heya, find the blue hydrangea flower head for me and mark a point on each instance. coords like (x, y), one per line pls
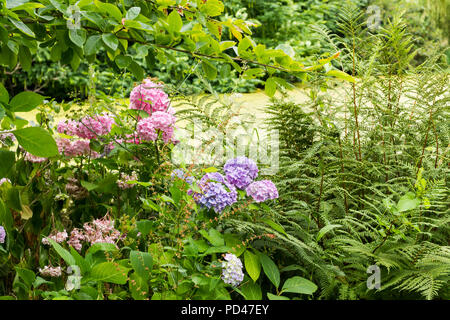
(240, 171)
(216, 192)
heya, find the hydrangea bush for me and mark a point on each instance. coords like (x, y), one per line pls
(110, 200)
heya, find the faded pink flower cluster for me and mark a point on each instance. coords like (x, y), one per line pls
(149, 97)
(124, 178)
(58, 237)
(159, 121)
(88, 127)
(98, 231)
(50, 271)
(32, 158)
(4, 180)
(75, 148)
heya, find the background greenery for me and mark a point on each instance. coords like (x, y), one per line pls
(287, 24)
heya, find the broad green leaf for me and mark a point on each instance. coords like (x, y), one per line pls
(252, 265)
(102, 246)
(340, 75)
(299, 285)
(209, 69)
(93, 45)
(123, 61)
(144, 226)
(63, 253)
(274, 225)
(142, 263)
(22, 27)
(138, 287)
(37, 141)
(4, 96)
(132, 13)
(25, 101)
(175, 22)
(110, 272)
(275, 297)
(251, 291)
(25, 58)
(89, 185)
(213, 8)
(7, 160)
(137, 70)
(110, 40)
(26, 275)
(408, 202)
(77, 36)
(109, 9)
(270, 87)
(270, 269)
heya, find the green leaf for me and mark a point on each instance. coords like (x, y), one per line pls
(137, 286)
(340, 75)
(26, 275)
(25, 101)
(144, 226)
(252, 265)
(142, 263)
(213, 8)
(110, 40)
(325, 229)
(4, 96)
(7, 160)
(274, 225)
(89, 185)
(270, 87)
(37, 141)
(270, 269)
(22, 27)
(63, 253)
(408, 202)
(25, 58)
(102, 246)
(275, 297)
(80, 262)
(299, 285)
(123, 61)
(93, 45)
(77, 36)
(175, 22)
(251, 291)
(110, 272)
(132, 13)
(209, 69)
(109, 9)
(137, 70)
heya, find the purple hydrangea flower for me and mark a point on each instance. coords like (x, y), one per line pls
(2, 234)
(262, 190)
(232, 270)
(179, 173)
(240, 171)
(216, 192)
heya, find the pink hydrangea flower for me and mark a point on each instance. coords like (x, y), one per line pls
(149, 97)
(50, 271)
(69, 127)
(58, 237)
(75, 148)
(124, 178)
(92, 127)
(159, 121)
